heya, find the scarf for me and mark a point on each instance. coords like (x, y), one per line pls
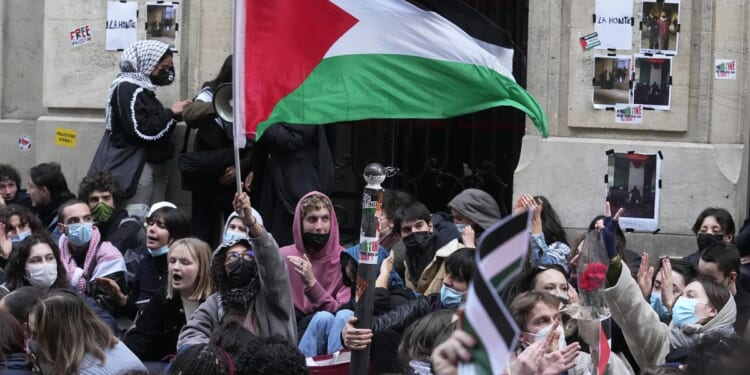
(72, 267)
(722, 323)
(240, 298)
(136, 64)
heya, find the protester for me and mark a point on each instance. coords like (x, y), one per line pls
(10, 188)
(86, 256)
(136, 143)
(204, 358)
(476, 209)
(652, 283)
(211, 198)
(293, 160)
(105, 198)
(549, 243)
(19, 304)
(13, 357)
(148, 266)
(713, 225)
(428, 240)
(48, 190)
(234, 227)
(16, 223)
(421, 338)
(317, 292)
(159, 322)
(37, 263)
(78, 344)
(251, 288)
(721, 262)
(393, 202)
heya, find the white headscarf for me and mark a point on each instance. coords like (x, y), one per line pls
(136, 64)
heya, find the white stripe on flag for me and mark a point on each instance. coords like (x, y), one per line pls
(496, 348)
(505, 255)
(238, 75)
(412, 32)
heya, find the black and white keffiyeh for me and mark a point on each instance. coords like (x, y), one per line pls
(136, 64)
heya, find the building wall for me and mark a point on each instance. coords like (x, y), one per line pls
(703, 137)
(45, 84)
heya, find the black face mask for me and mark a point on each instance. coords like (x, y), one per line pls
(315, 241)
(240, 273)
(417, 241)
(705, 240)
(164, 77)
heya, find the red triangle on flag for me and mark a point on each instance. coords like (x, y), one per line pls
(284, 41)
(604, 351)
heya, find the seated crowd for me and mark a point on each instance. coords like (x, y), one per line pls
(88, 287)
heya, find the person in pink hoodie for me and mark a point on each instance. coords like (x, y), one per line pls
(315, 278)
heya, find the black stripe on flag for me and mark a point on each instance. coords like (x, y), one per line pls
(489, 299)
(469, 19)
(515, 225)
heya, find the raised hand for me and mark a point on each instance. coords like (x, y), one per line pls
(303, 267)
(445, 356)
(645, 276)
(667, 293)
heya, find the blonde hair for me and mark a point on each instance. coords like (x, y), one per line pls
(201, 254)
(66, 330)
(314, 202)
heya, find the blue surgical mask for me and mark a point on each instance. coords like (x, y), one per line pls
(160, 251)
(658, 306)
(450, 297)
(460, 228)
(231, 236)
(80, 234)
(15, 239)
(683, 312)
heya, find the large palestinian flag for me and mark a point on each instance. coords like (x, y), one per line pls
(324, 61)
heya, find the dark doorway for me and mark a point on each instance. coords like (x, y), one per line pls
(436, 159)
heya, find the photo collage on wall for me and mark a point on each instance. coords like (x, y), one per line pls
(628, 83)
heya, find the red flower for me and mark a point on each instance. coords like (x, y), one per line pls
(593, 277)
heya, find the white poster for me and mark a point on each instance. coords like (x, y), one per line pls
(725, 69)
(614, 23)
(628, 114)
(122, 21)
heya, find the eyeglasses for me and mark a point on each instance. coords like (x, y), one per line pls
(248, 255)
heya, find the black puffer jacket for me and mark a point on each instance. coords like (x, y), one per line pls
(406, 314)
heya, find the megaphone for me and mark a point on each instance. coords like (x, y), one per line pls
(223, 104)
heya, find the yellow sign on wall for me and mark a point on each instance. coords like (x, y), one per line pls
(65, 137)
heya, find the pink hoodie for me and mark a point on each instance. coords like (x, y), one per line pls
(329, 293)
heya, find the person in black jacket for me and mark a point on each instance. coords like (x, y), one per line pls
(104, 196)
(293, 160)
(10, 191)
(387, 329)
(138, 127)
(159, 322)
(48, 189)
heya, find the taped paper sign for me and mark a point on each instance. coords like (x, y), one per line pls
(628, 114)
(66, 137)
(725, 69)
(122, 23)
(614, 23)
(80, 36)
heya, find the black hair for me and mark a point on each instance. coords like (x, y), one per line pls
(718, 353)
(393, 201)
(460, 264)
(683, 267)
(50, 175)
(15, 270)
(551, 225)
(726, 256)
(413, 211)
(21, 301)
(722, 216)
(66, 204)
(421, 337)
(24, 214)
(224, 75)
(166, 54)
(101, 181)
(176, 222)
(11, 336)
(7, 172)
(206, 359)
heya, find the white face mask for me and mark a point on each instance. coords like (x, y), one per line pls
(41, 275)
(544, 332)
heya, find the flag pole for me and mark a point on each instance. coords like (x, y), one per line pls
(372, 199)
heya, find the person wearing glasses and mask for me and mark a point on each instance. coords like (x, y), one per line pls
(252, 289)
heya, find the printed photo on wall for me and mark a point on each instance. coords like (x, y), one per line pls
(660, 26)
(653, 81)
(633, 184)
(162, 23)
(611, 80)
